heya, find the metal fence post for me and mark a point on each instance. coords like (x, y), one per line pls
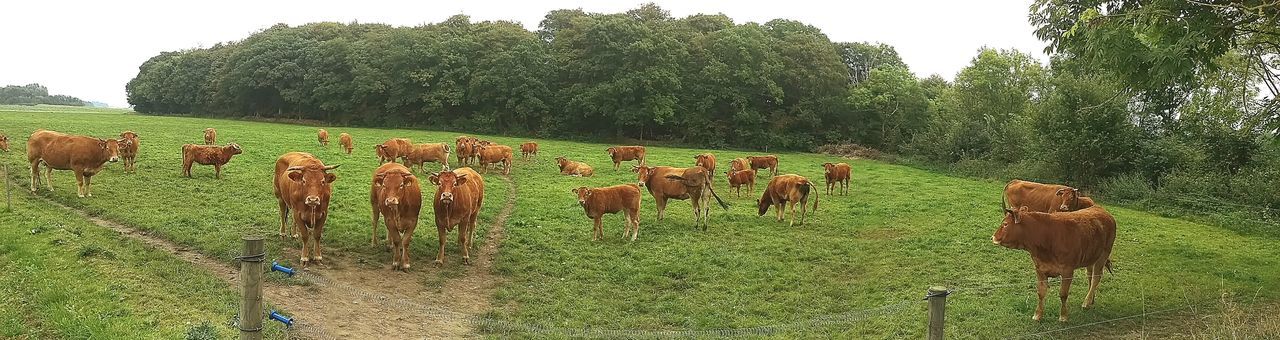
(251, 280)
(937, 311)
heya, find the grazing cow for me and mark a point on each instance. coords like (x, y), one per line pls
(697, 182)
(495, 154)
(621, 154)
(610, 200)
(217, 156)
(396, 195)
(1042, 197)
(459, 196)
(323, 137)
(4, 143)
(1059, 243)
(210, 136)
(764, 162)
(738, 164)
(785, 189)
(574, 168)
(464, 149)
(395, 148)
(83, 155)
(837, 173)
(430, 152)
(344, 139)
(706, 161)
(742, 177)
(303, 185)
(528, 149)
(128, 151)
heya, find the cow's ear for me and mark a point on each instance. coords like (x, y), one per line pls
(1059, 192)
(296, 176)
(460, 180)
(377, 180)
(574, 190)
(329, 178)
(1017, 217)
(102, 143)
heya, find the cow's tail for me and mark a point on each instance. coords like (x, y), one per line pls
(1108, 265)
(814, 189)
(717, 197)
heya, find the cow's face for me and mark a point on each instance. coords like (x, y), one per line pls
(1010, 228)
(611, 151)
(829, 167)
(583, 194)
(642, 173)
(129, 135)
(4, 143)
(702, 160)
(445, 182)
(391, 186)
(562, 162)
(315, 181)
(112, 147)
(234, 148)
(1068, 199)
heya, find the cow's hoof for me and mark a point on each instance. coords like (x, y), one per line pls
(395, 265)
(438, 263)
(405, 267)
(294, 236)
(304, 261)
(1035, 317)
(81, 195)
(317, 259)
(88, 195)
(466, 260)
(1085, 305)
(1062, 319)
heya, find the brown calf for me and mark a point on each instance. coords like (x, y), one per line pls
(395, 194)
(706, 161)
(574, 168)
(697, 183)
(83, 155)
(621, 154)
(459, 196)
(528, 149)
(495, 154)
(344, 139)
(128, 151)
(742, 177)
(1059, 243)
(303, 185)
(785, 189)
(764, 162)
(217, 156)
(464, 149)
(395, 148)
(837, 173)
(323, 137)
(210, 135)
(1041, 197)
(430, 152)
(609, 200)
(4, 143)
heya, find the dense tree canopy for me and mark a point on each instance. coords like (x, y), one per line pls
(32, 94)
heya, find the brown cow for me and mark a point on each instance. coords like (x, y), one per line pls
(610, 200)
(395, 194)
(83, 155)
(210, 136)
(738, 164)
(128, 151)
(528, 149)
(217, 156)
(706, 161)
(459, 196)
(574, 168)
(764, 162)
(4, 143)
(495, 154)
(697, 182)
(1059, 243)
(837, 173)
(430, 152)
(344, 139)
(1041, 197)
(785, 189)
(742, 177)
(621, 154)
(394, 148)
(303, 184)
(464, 149)
(323, 137)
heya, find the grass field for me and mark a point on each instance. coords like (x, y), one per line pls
(899, 231)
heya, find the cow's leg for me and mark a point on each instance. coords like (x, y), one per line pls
(404, 249)
(298, 227)
(48, 176)
(79, 183)
(217, 170)
(442, 232)
(597, 228)
(464, 234)
(792, 213)
(803, 210)
(284, 217)
(373, 230)
(1042, 287)
(393, 236)
(780, 208)
(316, 247)
(35, 175)
(635, 224)
(662, 205)
(88, 185)
(1062, 294)
(1095, 276)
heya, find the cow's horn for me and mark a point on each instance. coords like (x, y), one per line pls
(294, 168)
(331, 167)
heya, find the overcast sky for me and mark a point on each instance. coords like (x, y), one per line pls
(90, 49)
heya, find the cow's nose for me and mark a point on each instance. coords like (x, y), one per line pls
(392, 201)
(115, 159)
(313, 200)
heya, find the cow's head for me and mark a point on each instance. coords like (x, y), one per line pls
(611, 151)
(316, 182)
(4, 143)
(445, 182)
(130, 135)
(112, 147)
(830, 167)
(391, 186)
(233, 149)
(583, 194)
(702, 159)
(1011, 228)
(642, 173)
(562, 161)
(1067, 199)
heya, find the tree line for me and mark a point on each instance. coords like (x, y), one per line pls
(1134, 98)
(32, 94)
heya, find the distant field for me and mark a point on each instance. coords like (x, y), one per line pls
(899, 231)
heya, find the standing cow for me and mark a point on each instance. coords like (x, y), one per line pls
(459, 196)
(664, 182)
(323, 137)
(217, 156)
(344, 139)
(396, 195)
(303, 185)
(738, 164)
(837, 173)
(611, 200)
(4, 142)
(83, 155)
(430, 152)
(210, 136)
(764, 162)
(128, 151)
(739, 178)
(1042, 197)
(528, 150)
(495, 154)
(697, 182)
(463, 147)
(1060, 243)
(786, 189)
(706, 161)
(395, 148)
(621, 154)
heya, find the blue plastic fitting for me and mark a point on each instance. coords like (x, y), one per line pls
(287, 321)
(277, 267)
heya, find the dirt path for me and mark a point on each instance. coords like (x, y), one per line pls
(350, 301)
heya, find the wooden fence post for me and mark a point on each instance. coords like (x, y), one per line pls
(937, 311)
(251, 280)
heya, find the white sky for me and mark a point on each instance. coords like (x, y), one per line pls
(90, 49)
